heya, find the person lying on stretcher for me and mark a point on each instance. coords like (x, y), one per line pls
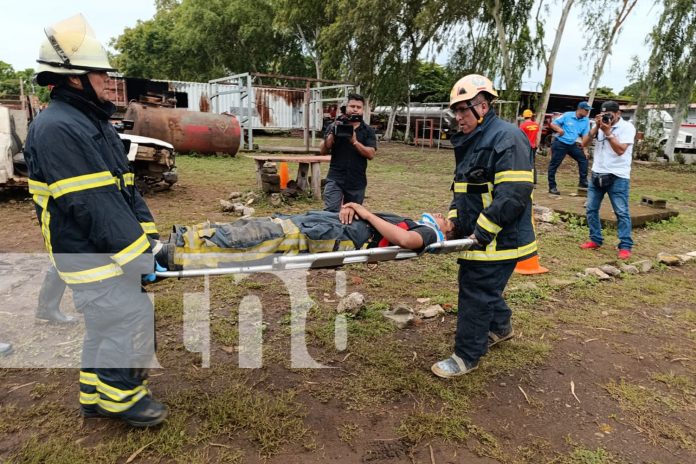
(258, 240)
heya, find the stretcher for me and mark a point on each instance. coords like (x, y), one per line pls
(325, 260)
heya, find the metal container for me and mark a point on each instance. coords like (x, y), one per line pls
(188, 131)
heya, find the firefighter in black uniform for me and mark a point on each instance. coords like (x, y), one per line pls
(98, 231)
(492, 204)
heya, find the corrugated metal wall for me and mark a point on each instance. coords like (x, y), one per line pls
(272, 108)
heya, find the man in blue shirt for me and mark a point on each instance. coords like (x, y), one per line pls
(569, 127)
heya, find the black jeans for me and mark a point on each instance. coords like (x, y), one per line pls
(559, 150)
(481, 306)
(335, 195)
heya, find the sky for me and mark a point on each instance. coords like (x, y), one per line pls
(23, 21)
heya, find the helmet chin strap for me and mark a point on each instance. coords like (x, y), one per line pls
(479, 118)
(87, 88)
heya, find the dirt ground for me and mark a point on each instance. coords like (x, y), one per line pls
(599, 372)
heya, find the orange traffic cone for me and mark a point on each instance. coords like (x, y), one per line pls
(530, 266)
(284, 175)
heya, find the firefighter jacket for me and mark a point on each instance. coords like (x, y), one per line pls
(493, 185)
(94, 222)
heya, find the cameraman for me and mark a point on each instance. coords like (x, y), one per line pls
(350, 142)
(611, 170)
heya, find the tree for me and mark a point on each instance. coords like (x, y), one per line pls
(431, 83)
(11, 82)
(378, 42)
(602, 31)
(205, 39)
(499, 43)
(519, 49)
(550, 61)
(306, 19)
(673, 41)
(605, 92)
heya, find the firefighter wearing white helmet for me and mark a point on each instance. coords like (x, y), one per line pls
(70, 48)
(98, 231)
(491, 204)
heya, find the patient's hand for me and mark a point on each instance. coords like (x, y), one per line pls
(350, 210)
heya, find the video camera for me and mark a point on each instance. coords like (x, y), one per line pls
(343, 127)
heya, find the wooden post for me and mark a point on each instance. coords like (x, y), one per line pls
(259, 165)
(302, 173)
(316, 180)
(307, 97)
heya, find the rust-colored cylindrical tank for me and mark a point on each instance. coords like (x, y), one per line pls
(188, 131)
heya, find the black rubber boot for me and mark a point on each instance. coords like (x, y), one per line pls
(89, 411)
(54, 315)
(145, 413)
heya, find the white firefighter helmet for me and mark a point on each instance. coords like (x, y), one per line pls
(70, 47)
(469, 86)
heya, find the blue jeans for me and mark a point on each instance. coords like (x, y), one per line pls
(618, 195)
(559, 151)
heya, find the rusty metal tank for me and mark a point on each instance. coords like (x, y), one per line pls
(188, 131)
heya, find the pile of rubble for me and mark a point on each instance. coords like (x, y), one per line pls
(401, 314)
(240, 204)
(270, 179)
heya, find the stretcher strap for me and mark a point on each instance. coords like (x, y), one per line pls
(323, 260)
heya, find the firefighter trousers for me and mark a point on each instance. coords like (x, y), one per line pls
(481, 307)
(118, 347)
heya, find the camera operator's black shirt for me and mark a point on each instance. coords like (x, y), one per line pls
(348, 166)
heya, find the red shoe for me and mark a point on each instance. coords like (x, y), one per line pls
(624, 254)
(590, 245)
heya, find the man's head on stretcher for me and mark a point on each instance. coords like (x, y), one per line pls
(253, 239)
(399, 235)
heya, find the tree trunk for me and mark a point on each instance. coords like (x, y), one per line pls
(502, 40)
(550, 63)
(408, 117)
(680, 112)
(390, 124)
(599, 67)
(686, 88)
(639, 117)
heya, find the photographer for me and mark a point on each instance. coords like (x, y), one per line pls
(611, 170)
(350, 142)
(569, 127)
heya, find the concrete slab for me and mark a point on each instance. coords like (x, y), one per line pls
(575, 206)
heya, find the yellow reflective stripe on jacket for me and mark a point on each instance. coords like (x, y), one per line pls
(463, 187)
(128, 179)
(39, 188)
(149, 227)
(91, 275)
(491, 254)
(488, 225)
(452, 214)
(79, 183)
(89, 398)
(132, 251)
(486, 199)
(88, 378)
(514, 176)
(113, 406)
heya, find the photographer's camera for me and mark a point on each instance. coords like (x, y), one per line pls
(343, 127)
(606, 118)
